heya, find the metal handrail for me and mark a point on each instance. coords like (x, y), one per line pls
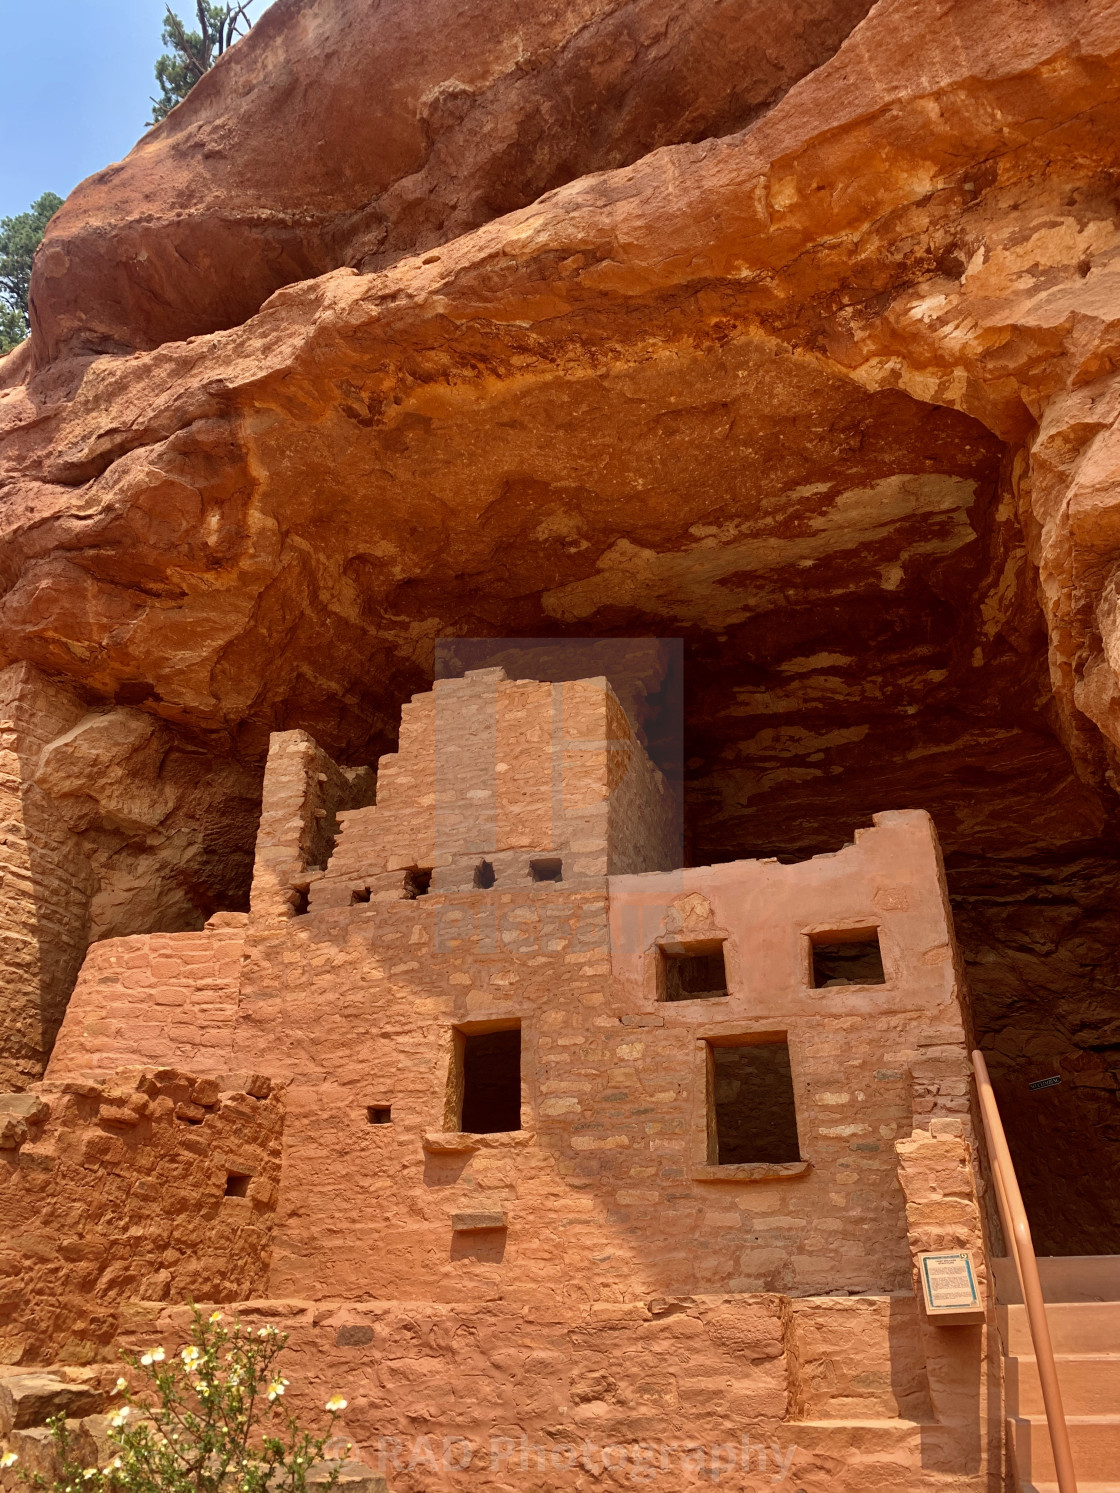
(1017, 1232)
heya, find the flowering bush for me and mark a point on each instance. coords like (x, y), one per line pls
(210, 1419)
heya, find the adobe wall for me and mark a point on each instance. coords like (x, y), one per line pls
(304, 790)
(116, 1190)
(46, 881)
(506, 769)
(593, 1392)
(623, 1288)
(609, 1178)
(166, 999)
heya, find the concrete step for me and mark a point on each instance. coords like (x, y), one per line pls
(1063, 1278)
(1075, 1327)
(1090, 1384)
(1094, 1441)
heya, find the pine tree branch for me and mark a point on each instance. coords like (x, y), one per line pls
(182, 41)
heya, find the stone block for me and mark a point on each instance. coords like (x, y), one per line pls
(473, 1223)
(30, 1399)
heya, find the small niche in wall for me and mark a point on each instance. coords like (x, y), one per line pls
(751, 1112)
(547, 868)
(692, 971)
(237, 1184)
(485, 1090)
(417, 881)
(484, 875)
(379, 1114)
(849, 957)
(301, 900)
(359, 894)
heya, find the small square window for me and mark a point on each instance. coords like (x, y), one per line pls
(693, 972)
(849, 957)
(359, 894)
(237, 1185)
(417, 882)
(379, 1114)
(550, 868)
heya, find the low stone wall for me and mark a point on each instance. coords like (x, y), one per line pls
(117, 1191)
(167, 999)
(748, 1391)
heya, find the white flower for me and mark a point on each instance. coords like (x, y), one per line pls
(335, 1404)
(153, 1355)
(113, 1465)
(190, 1357)
(119, 1417)
(120, 1386)
(89, 1471)
(277, 1388)
(215, 1316)
(9, 1459)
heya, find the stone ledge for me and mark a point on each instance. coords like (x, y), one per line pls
(476, 1223)
(752, 1171)
(458, 1142)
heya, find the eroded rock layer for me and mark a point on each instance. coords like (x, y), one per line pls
(815, 372)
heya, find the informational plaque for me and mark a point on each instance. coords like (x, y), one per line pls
(949, 1287)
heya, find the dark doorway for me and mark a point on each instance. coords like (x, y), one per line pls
(491, 1082)
(752, 1115)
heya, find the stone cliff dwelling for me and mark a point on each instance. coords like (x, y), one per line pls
(559, 657)
(538, 1082)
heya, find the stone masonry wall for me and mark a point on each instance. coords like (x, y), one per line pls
(117, 1190)
(505, 769)
(303, 792)
(585, 1391)
(609, 1178)
(168, 999)
(46, 881)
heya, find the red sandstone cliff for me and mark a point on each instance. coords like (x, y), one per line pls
(816, 369)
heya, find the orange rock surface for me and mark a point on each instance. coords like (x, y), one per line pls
(796, 340)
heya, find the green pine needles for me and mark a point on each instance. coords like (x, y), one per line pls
(209, 1419)
(19, 238)
(195, 52)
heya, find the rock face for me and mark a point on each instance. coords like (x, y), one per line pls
(790, 331)
(410, 124)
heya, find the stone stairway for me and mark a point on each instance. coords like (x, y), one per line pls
(1083, 1309)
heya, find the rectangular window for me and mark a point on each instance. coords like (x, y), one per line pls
(850, 957)
(751, 1113)
(486, 1082)
(692, 972)
(551, 868)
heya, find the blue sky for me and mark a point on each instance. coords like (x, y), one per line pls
(76, 89)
